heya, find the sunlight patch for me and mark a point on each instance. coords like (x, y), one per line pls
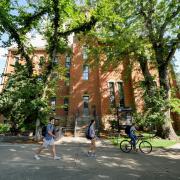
(12, 150)
(103, 176)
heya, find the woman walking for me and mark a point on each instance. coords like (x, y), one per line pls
(92, 136)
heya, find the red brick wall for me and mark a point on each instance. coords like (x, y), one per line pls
(96, 87)
(80, 87)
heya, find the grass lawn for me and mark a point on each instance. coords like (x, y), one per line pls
(161, 143)
(156, 142)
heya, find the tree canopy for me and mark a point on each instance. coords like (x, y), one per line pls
(137, 30)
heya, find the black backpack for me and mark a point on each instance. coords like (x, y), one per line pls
(127, 129)
(87, 133)
(44, 130)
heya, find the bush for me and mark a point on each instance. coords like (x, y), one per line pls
(114, 124)
(4, 128)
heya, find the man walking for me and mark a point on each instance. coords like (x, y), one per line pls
(48, 141)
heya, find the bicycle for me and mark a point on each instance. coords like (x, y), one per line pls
(144, 146)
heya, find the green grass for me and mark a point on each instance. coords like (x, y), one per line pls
(156, 143)
(161, 143)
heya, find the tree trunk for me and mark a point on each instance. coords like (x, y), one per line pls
(163, 79)
(37, 134)
(147, 76)
(167, 131)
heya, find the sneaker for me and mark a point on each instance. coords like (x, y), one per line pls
(57, 157)
(89, 153)
(36, 157)
(93, 155)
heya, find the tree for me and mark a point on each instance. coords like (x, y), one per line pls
(32, 90)
(147, 31)
(160, 20)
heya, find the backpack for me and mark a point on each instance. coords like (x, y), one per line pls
(87, 133)
(44, 130)
(127, 129)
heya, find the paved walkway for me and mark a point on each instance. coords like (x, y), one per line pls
(176, 146)
(17, 163)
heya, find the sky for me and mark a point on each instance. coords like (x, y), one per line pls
(2, 61)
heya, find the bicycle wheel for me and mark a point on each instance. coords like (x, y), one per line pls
(145, 147)
(125, 146)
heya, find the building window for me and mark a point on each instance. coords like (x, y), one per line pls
(67, 80)
(67, 65)
(66, 104)
(68, 62)
(85, 72)
(112, 95)
(56, 60)
(53, 103)
(86, 105)
(121, 94)
(85, 52)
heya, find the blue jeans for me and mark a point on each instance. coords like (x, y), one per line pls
(133, 139)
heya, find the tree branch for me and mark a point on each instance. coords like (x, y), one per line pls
(148, 23)
(168, 20)
(53, 47)
(27, 21)
(82, 28)
(9, 27)
(173, 48)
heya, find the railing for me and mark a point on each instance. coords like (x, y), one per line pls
(78, 127)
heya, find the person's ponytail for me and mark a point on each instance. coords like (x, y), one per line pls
(92, 121)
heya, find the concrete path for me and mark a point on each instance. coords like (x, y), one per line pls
(176, 146)
(17, 163)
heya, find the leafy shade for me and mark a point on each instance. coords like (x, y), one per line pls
(21, 101)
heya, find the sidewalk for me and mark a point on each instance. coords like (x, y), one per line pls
(175, 146)
(17, 163)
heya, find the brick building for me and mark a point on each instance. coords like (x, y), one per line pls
(89, 92)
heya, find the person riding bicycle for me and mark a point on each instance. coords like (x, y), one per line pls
(130, 131)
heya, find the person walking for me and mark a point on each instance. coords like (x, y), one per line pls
(91, 136)
(48, 141)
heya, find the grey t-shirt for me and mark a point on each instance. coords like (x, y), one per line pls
(50, 128)
(132, 129)
(92, 131)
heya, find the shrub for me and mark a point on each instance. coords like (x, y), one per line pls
(114, 124)
(4, 128)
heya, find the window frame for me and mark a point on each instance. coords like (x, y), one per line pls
(53, 105)
(85, 72)
(86, 109)
(121, 94)
(85, 52)
(112, 94)
(66, 104)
